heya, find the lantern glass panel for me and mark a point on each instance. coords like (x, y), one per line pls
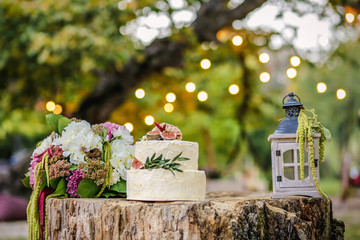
(306, 172)
(306, 156)
(289, 173)
(289, 156)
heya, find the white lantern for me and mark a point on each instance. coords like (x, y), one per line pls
(285, 156)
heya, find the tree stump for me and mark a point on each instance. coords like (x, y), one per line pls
(223, 215)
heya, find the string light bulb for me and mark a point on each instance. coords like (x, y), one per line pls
(168, 107)
(234, 89)
(129, 126)
(340, 94)
(295, 61)
(50, 106)
(58, 109)
(321, 87)
(264, 58)
(237, 40)
(291, 73)
(202, 96)
(140, 93)
(349, 17)
(149, 120)
(190, 87)
(264, 77)
(170, 97)
(205, 63)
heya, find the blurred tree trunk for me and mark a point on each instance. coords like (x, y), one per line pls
(345, 132)
(211, 170)
(113, 88)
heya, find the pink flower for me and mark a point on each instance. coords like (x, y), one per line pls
(37, 158)
(59, 169)
(111, 127)
(73, 182)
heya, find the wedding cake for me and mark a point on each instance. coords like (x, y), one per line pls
(165, 168)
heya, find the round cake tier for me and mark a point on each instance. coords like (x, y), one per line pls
(169, 149)
(162, 185)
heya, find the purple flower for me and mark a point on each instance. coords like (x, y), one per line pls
(73, 182)
(111, 127)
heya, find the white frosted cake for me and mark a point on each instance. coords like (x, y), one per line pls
(182, 181)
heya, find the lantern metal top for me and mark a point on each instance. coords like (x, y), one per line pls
(292, 102)
(292, 109)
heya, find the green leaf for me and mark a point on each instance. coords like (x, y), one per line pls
(175, 166)
(61, 187)
(87, 188)
(43, 180)
(62, 123)
(52, 121)
(177, 156)
(119, 187)
(326, 132)
(26, 181)
(109, 194)
(54, 182)
(73, 167)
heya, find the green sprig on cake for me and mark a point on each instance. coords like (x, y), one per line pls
(160, 162)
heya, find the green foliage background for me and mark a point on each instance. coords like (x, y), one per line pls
(55, 50)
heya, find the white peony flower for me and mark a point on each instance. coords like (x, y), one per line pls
(124, 134)
(115, 177)
(121, 156)
(76, 139)
(45, 144)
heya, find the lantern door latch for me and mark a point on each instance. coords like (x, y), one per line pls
(278, 153)
(279, 178)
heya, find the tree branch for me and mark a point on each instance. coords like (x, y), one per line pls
(113, 88)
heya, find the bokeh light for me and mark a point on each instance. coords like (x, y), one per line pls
(291, 73)
(205, 63)
(170, 97)
(349, 17)
(58, 109)
(168, 107)
(234, 89)
(149, 120)
(295, 61)
(140, 93)
(264, 77)
(264, 58)
(237, 40)
(50, 106)
(129, 126)
(321, 87)
(340, 94)
(190, 87)
(202, 96)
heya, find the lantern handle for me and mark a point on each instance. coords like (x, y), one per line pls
(291, 95)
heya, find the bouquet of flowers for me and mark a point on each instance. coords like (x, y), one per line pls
(76, 160)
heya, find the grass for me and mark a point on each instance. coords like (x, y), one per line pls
(331, 186)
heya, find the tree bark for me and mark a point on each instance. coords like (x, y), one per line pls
(221, 216)
(113, 88)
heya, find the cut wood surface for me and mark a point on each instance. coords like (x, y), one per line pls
(223, 215)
